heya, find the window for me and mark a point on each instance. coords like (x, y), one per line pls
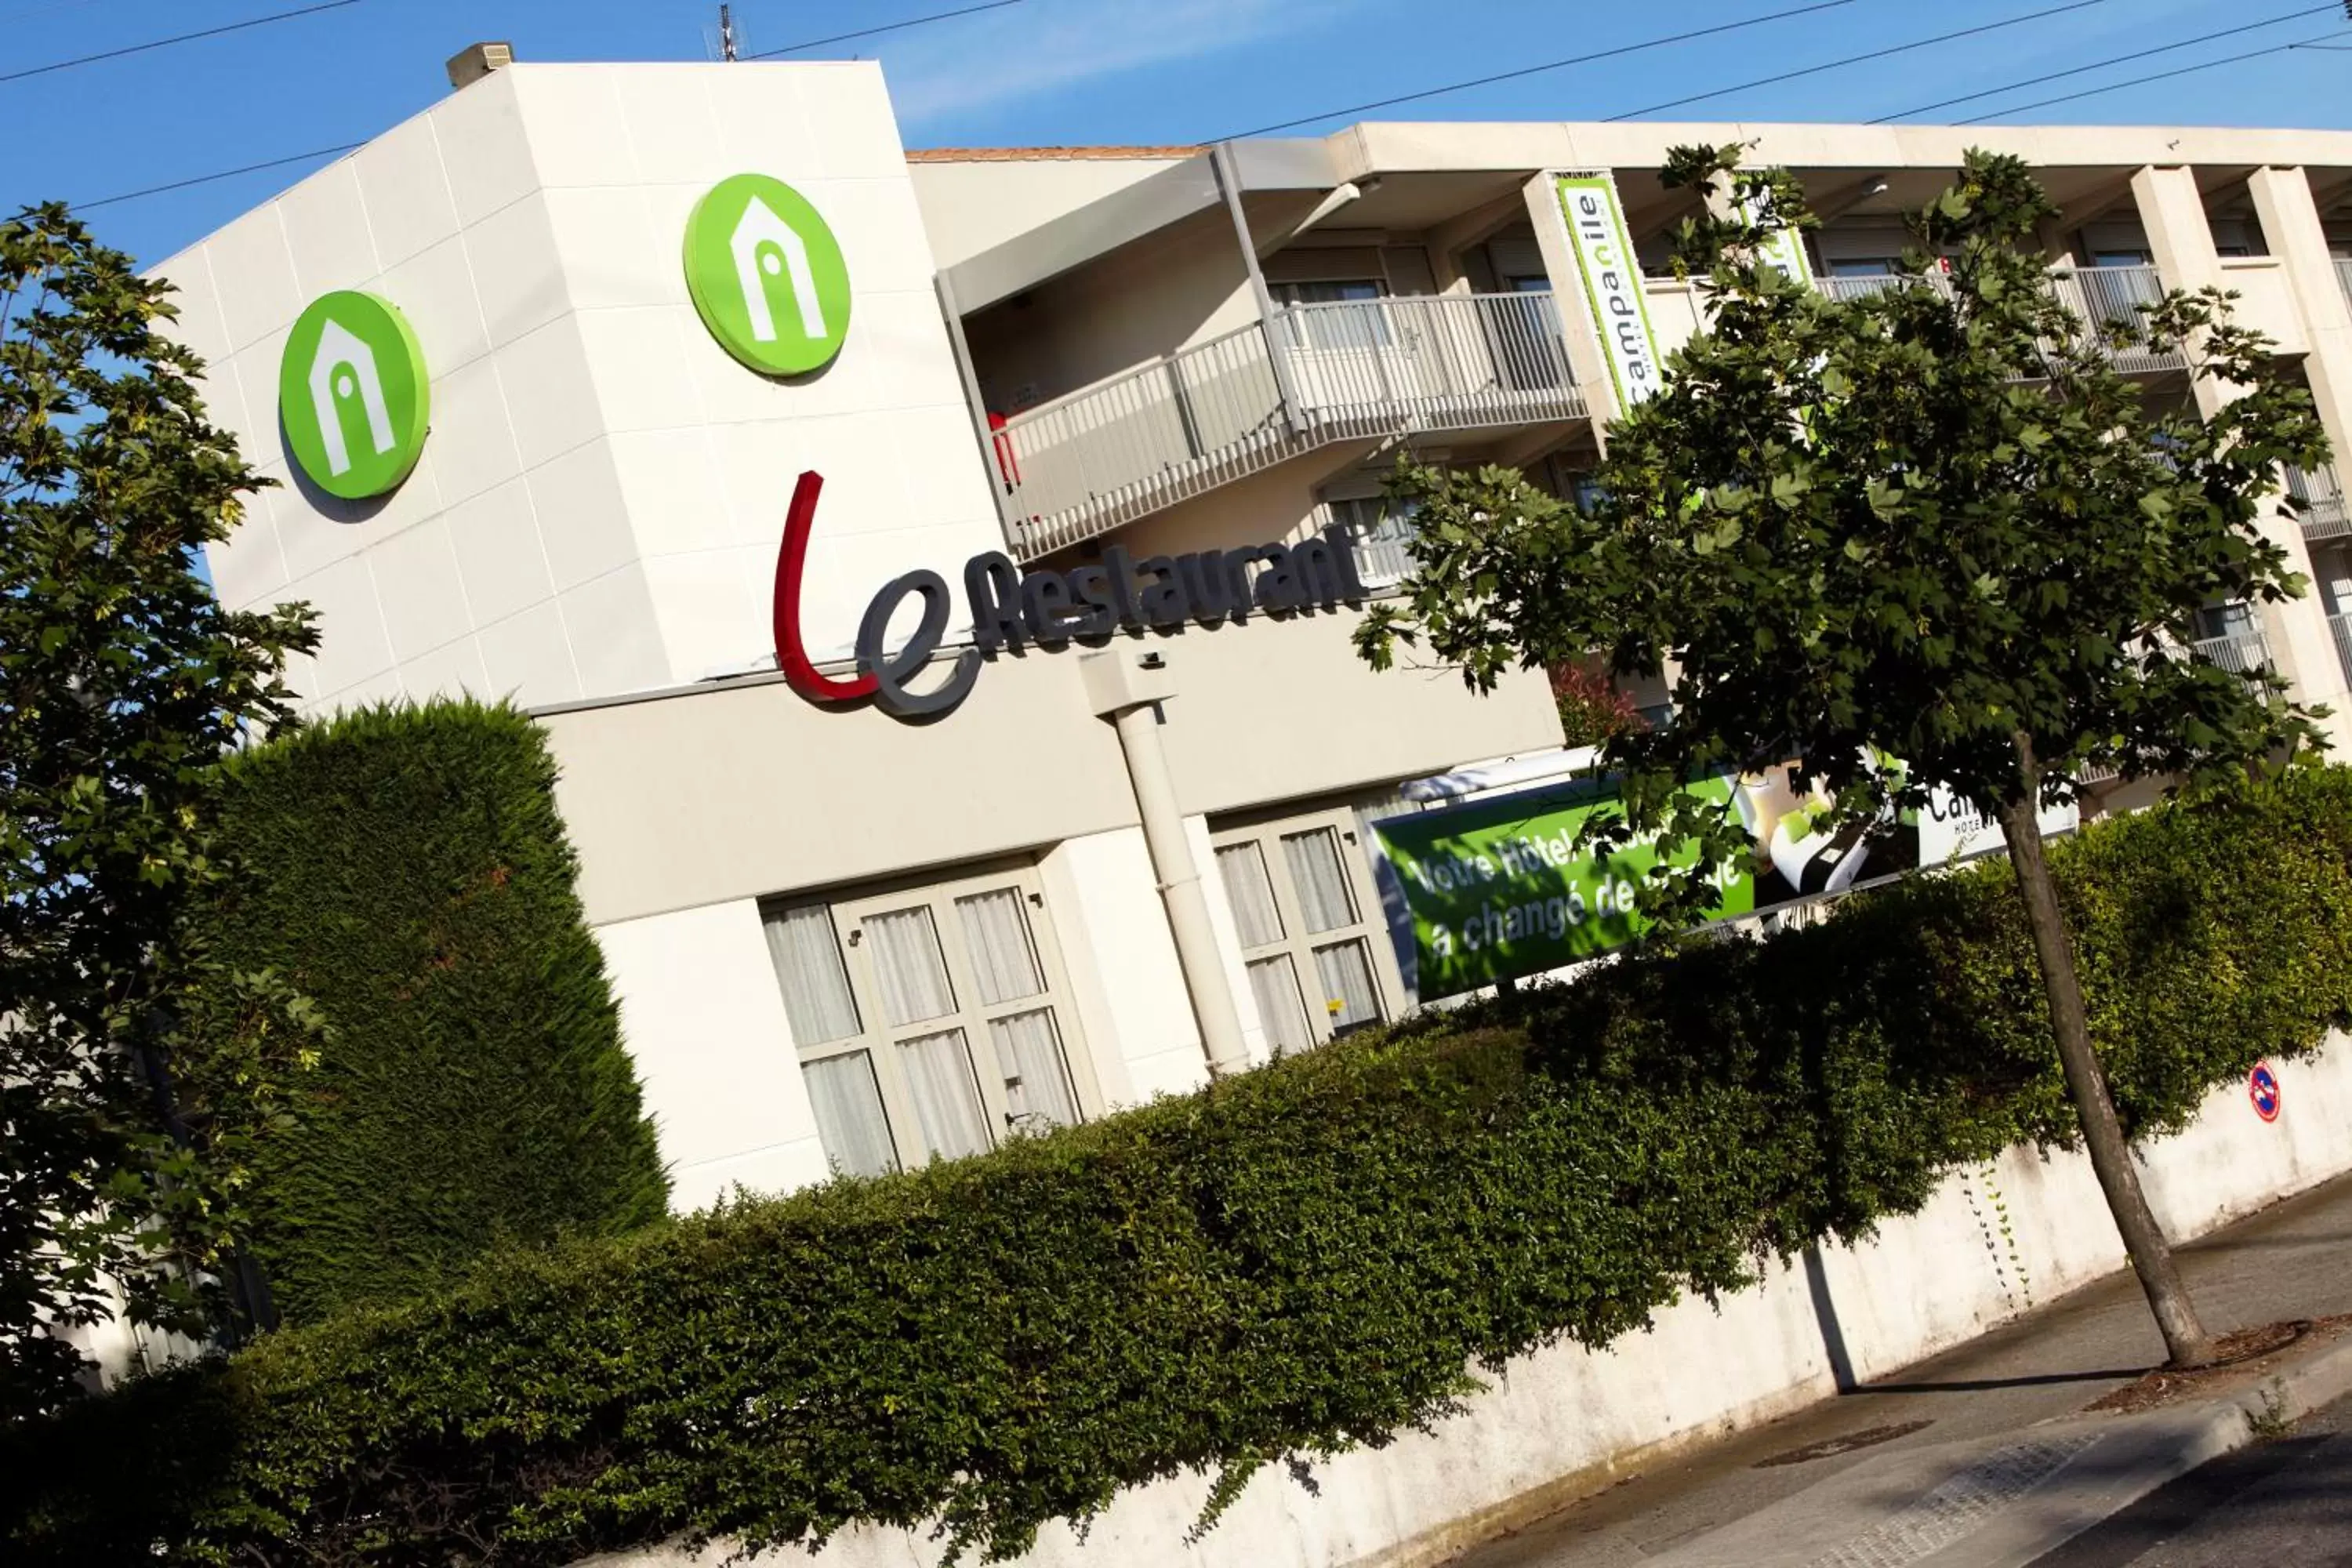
(1344, 313)
(1865, 265)
(1314, 946)
(2232, 618)
(1381, 530)
(930, 1023)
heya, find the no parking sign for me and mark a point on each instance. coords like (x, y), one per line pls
(2263, 1089)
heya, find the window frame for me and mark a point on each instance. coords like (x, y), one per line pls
(1370, 927)
(849, 910)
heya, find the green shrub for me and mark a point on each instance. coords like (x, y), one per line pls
(1296, 1261)
(407, 870)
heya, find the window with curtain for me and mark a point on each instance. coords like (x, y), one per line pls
(1314, 949)
(1379, 533)
(930, 1024)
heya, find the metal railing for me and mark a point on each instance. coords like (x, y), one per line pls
(1863, 285)
(2323, 511)
(2341, 625)
(2096, 295)
(2344, 274)
(2239, 653)
(1216, 412)
(2101, 296)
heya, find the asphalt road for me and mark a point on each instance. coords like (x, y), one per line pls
(2287, 1503)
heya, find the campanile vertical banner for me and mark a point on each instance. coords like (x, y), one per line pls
(1612, 283)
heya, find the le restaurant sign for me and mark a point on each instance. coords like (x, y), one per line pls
(1012, 610)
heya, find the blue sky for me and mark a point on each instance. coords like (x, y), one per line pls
(1045, 71)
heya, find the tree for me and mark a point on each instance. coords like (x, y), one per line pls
(1924, 538)
(124, 684)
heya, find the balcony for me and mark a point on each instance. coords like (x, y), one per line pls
(2322, 508)
(2096, 295)
(2241, 653)
(1313, 375)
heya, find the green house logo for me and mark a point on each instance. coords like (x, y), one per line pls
(352, 394)
(767, 276)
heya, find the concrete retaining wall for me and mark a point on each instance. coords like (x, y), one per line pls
(1564, 1422)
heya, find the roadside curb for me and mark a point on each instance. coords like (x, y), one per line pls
(2138, 1455)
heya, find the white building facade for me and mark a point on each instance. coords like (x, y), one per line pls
(848, 933)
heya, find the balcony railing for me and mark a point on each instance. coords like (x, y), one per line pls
(2344, 274)
(2341, 625)
(2096, 295)
(2240, 653)
(1216, 412)
(2100, 296)
(1863, 285)
(2323, 513)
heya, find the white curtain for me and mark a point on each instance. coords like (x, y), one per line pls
(1037, 1092)
(1346, 971)
(946, 1101)
(912, 972)
(1251, 894)
(1276, 985)
(996, 935)
(849, 1117)
(808, 965)
(1320, 879)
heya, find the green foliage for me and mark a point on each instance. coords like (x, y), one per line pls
(405, 868)
(122, 684)
(1290, 1263)
(1932, 522)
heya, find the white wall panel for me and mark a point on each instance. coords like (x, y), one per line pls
(705, 1025)
(406, 191)
(1122, 965)
(500, 560)
(527, 657)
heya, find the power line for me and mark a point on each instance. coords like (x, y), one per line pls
(2142, 81)
(887, 27)
(181, 39)
(1536, 70)
(354, 146)
(222, 174)
(1858, 59)
(2111, 60)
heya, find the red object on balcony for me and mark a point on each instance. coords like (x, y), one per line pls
(1008, 467)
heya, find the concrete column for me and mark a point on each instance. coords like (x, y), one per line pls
(2172, 210)
(2291, 223)
(1229, 185)
(1585, 357)
(1126, 690)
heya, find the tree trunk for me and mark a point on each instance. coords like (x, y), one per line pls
(2102, 1134)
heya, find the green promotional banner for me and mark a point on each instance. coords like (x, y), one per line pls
(1611, 274)
(1499, 889)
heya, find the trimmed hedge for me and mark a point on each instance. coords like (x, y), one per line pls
(1292, 1263)
(406, 869)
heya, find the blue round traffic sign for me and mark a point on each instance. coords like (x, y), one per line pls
(2263, 1089)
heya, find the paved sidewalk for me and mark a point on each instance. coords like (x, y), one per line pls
(1949, 1462)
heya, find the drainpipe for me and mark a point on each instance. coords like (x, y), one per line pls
(1278, 354)
(1126, 687)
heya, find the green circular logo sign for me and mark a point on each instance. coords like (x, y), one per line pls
(353, 394)
(767, 275)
